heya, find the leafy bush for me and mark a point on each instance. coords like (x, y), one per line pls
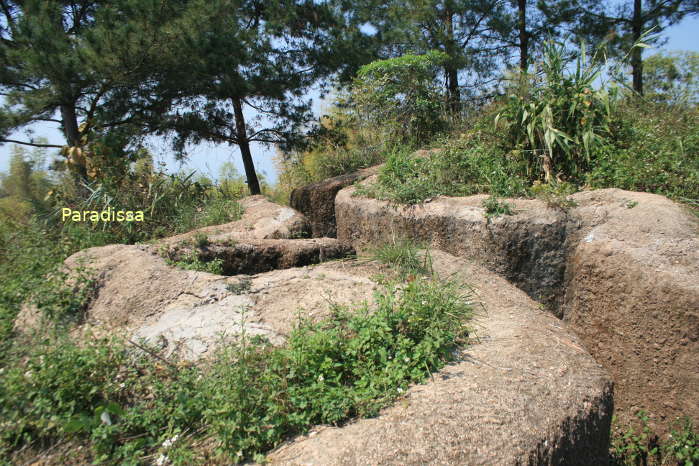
(400, 96)
(559, 119)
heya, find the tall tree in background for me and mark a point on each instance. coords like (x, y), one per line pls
(467, 31)
(82, 65)
(529, 23)
(238, 57)
(630, 20)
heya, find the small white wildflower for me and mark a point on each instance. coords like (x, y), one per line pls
(28, 374)
(320, 378)
(169, 442)
(406, 359)
(162, 460)
(400, 390)
(104, 417)
(122, 385)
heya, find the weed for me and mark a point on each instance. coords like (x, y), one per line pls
(634, 447)
(404, 255)
(631, 204)
(554, 194)
(192, 261)
(494, 207)
(201, 240)
(241, 287)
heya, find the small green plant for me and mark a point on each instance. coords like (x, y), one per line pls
(403, 255)
(642, 446)
(241, 287)
(201, 240)
(631, 204)
(495, 207)
(683, 445)
(192, 261)
(554, 194)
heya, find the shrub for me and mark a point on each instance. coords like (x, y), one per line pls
(400, 96)
(557, 120)
(657, 152)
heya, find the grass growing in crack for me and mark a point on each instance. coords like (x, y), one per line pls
(403, 255)
(128, 408)
(241, 287)
(495, 208)
(192, 261)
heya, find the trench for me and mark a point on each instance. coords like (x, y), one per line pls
(253, 257)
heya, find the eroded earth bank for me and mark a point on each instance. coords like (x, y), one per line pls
(583, 312)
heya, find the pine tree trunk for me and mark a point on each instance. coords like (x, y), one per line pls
(523, 37)
(453, 88)
(70, 125)
(636, 57)
(69, 120)
(244, 144)
(450, 70)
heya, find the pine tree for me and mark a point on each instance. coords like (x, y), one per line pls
(240, 57)
(629, 22)
(467, 31)
(83, 65)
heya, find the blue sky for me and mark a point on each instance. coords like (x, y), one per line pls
(208, 158)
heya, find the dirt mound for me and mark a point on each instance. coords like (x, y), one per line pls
(262, 219)
(317, 200)
(525, 393)
(622, 268)
(527, 248)
(632, 295)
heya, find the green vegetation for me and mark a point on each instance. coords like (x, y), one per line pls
(404, 256)
(643, 447)
(408, 75)
(495, 207)
(125, 405)
(193, 261)
(552, 136)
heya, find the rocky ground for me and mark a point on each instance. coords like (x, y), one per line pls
(575, 304)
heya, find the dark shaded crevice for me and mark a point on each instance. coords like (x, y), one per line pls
(263, 256)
